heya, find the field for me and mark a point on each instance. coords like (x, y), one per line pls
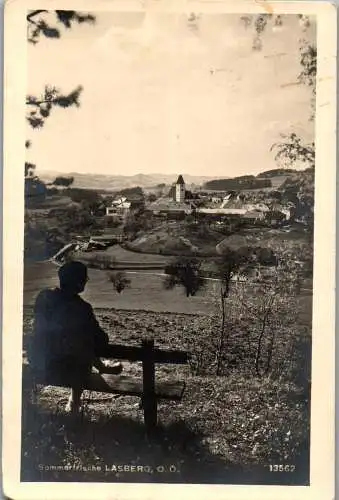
(100, 293)
(50, 202)
(122, 255)
(227, 429)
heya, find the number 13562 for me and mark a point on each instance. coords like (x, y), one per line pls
(282, 468)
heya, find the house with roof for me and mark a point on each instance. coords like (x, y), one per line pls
(119, 208)
(222, 211)
(168, 205)
(177, 202)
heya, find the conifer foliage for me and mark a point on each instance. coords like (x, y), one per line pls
(49, 24)
(39, 108)
(39, 23)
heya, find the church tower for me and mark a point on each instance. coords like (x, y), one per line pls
(180, 190)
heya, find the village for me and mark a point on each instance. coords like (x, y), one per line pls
(167, 220)
(181, 201)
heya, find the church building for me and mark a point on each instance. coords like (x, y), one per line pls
(178, 190)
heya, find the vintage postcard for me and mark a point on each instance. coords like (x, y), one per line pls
(169, 249)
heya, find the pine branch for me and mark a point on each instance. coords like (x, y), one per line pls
(36, 28)
(43, 105)
(33, 14)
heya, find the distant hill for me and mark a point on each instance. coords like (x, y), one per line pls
(265, 181)
(276, 172)
(118, 182)
(237, 183)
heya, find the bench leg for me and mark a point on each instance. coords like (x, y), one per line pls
(149, 400)
(73, 404)
(150, 414)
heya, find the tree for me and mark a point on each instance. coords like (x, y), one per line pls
(29, 169)
(307, 51)
(230, 263)
(308, 73)
(63, 181)
(185, 272)
(79, 195)
(39, 107)
(133, 191)
(44, 23)
(292, 149)
(119, 280)
(38, 23)
(298, 190)
(135, 222)
(151, 197)
(269, 310)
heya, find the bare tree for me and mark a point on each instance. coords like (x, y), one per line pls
(185, 272)
(293, 149)
(231, 262)
(269, 311)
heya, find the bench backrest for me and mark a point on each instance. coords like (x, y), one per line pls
(145, 352)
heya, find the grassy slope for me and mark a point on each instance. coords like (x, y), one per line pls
(224, 425)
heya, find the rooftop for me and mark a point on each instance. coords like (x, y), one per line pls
(180, 180)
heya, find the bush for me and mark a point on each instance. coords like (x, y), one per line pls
(111, 222)
(119, 280)
(184, 272)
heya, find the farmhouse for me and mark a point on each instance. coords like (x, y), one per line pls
(254, 216)
(234, 205)
(168, 206)
(222, 211)
(119, 208)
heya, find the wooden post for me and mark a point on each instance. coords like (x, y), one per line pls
(149, 398)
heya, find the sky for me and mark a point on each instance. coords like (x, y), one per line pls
(166, 95)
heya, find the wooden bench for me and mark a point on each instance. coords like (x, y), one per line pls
(147, 388)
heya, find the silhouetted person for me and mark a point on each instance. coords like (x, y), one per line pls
(67, 339)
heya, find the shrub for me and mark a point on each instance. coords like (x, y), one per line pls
(185, 272)
(119, 280)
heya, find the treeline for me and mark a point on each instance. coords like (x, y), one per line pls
(275, 172)
(238, 183)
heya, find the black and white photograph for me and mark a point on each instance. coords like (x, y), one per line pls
(168, 250)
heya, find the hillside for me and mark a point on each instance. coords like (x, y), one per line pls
(238, 183)
(116, 182)
(275, 173)
(265, 181)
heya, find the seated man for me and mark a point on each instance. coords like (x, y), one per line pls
(67, 339)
